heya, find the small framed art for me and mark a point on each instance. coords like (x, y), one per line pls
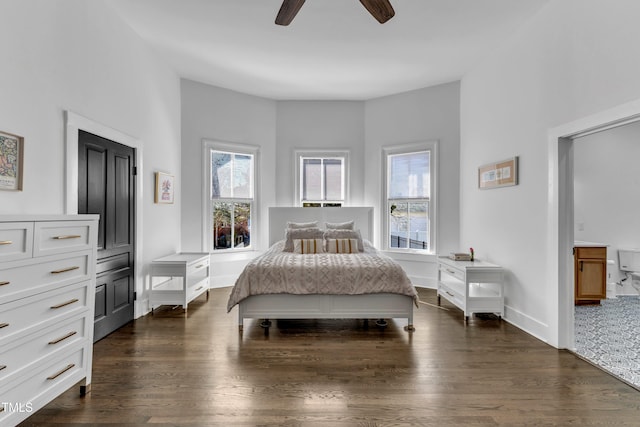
(165, 188)
(11, 161)
(498, 174)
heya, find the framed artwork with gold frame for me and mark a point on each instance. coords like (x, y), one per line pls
(11, 161)
(499, 174)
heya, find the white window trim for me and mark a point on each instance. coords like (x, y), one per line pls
(299, 153)
(431, 146)
(207, 206)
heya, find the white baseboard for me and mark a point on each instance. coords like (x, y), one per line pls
(526, 323)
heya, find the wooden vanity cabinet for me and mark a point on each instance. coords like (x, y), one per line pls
(590, 272)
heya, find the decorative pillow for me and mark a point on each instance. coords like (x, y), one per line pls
(342, 246)
(312, 224)
(300, 233)
(345, 234)
(308, 246)
(339, 225)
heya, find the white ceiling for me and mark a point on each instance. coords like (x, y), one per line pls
(333, 49)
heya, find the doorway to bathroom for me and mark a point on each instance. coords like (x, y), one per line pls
(606, 203)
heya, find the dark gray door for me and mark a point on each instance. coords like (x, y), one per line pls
(106, 186)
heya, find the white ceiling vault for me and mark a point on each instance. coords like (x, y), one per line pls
(333, 49)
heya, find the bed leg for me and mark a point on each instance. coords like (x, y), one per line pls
(266, 323)
(409, 328)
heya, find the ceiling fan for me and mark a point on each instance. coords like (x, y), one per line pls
(380, 9)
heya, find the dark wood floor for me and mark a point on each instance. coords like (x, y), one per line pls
(168, 369)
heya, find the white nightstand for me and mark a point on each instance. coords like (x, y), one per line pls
(187, 277)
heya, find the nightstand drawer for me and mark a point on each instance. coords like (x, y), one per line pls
(16, 240)
(452, 271)
(57, 237)
(199, 268)
(19, 317)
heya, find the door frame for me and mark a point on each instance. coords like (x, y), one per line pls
(560, 231)
(75, 122)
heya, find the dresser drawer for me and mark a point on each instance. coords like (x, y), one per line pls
(28, 314)
(56, 237)
(25, 278)
(41, 385)
(16, 240)
(452, 271)
(46, 343)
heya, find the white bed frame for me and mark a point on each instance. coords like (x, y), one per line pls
(285, 306)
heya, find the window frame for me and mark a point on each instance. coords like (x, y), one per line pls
(208, 202)
(392, 150)
(321, 154)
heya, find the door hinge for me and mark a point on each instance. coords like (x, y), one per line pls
(134, 170)
(135, 296)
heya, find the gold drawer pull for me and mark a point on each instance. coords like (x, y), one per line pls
(62, 371)
(71, 236)
(64, 270)
(450, 294)
(200, 266)
(3, 325)
(2, 367)
(6, 242)
(1, 408)
(64, 303)
(451, 271)
(69, 335)
(199, 288)
(4, 283)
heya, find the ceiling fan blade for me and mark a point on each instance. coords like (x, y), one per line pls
(380, 9)
(288, 11)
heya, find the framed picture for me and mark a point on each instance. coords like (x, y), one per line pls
(498, 174)
(11, 161)
(165, 188)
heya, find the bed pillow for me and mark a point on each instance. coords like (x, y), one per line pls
(312, 224)
(300, 233)
(308, 246)
(348, 225)
(342, 246)
(345, 234)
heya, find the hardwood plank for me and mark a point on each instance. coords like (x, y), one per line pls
(172, 369)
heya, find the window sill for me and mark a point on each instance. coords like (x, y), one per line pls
(410, 255)
(221, 256)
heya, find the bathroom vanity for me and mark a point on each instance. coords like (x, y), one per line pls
(590, 272)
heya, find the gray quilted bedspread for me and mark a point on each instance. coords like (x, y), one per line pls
(278, 272)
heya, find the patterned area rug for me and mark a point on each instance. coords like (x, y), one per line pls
(609, 336)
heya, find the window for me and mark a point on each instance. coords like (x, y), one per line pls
(231, 196)
(321, 178)
(410, 202)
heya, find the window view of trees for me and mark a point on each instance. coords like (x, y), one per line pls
(232, 196)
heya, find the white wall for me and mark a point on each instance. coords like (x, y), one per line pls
(79, 56)
(607, 192)
(218, 114)
(324, 125)
(422, 115)
(575, 58)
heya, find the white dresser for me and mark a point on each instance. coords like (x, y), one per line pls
(472, 286)
(183, 277)
(47, 293)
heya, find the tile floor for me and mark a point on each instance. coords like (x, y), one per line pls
(609, 336)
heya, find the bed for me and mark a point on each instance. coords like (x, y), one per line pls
(285, 285)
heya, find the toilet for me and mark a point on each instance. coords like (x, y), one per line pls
(630, 263)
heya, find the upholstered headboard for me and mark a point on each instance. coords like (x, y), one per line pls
(279, 216)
